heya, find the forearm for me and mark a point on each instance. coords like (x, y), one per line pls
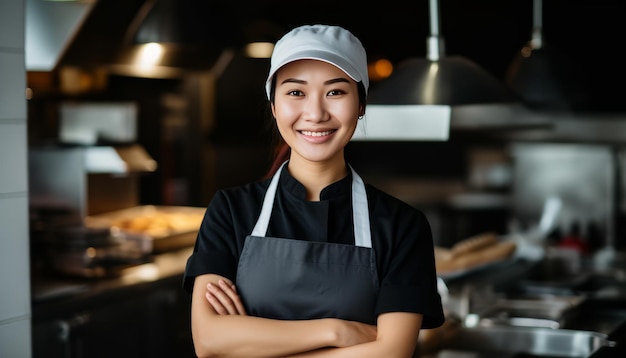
(374, 349)
(247, 336)
(396, 338)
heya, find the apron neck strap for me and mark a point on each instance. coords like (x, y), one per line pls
(360, 212)
(260, 229)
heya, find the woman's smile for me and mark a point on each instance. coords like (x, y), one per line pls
(317, 136)
(318, 133)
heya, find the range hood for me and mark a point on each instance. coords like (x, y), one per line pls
(109, 33)
(50, 28)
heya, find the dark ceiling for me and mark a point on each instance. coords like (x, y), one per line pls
(488, 32)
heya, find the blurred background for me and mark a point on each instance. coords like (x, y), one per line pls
(137, 108)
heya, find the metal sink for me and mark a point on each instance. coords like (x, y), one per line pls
(507, 341)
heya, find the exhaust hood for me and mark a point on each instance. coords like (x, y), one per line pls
(190, 35)
(110, 34)
(50, 27)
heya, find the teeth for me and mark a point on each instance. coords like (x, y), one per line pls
(316, 134)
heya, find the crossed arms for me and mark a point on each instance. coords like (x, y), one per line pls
(221, 328)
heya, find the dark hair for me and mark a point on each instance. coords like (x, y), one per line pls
(281, 151)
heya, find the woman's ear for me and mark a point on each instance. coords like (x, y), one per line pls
(273, 109)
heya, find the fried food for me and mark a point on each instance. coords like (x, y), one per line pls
(160, 224)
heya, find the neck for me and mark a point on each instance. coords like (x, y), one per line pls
(315, 176)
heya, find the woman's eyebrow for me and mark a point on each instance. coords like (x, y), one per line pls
(293, 80)
(329, 82)
(336, 80)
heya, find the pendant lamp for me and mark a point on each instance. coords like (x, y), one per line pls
(541, 76)
(424, 98)
(439, 79)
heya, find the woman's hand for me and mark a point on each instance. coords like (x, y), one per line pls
(352, 333)
(224, 299)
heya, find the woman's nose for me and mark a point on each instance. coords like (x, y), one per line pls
(315, 110)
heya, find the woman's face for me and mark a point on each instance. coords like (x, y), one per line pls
(316, 107)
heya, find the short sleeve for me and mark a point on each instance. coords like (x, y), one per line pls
(215, 250)
(408, 278)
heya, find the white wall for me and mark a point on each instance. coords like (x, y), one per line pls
(15, 310)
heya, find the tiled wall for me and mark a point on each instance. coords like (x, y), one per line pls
(15, 312)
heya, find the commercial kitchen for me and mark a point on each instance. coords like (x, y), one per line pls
(504, 122)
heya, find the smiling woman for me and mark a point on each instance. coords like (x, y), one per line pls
(311, 261)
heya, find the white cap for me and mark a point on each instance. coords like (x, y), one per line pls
(332, 44)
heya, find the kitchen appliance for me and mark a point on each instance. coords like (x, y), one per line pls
(93, 170)
(94, 167)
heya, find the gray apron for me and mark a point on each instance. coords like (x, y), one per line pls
(293, 279)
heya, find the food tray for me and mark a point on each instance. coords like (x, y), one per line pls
(170, 227)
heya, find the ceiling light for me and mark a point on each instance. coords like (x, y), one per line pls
(425, 97)
(439, 80)
(259, 49)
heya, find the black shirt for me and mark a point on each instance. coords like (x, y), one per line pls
(401, 237)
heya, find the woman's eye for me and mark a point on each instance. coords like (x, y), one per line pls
(335, 92)
(294, 93)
